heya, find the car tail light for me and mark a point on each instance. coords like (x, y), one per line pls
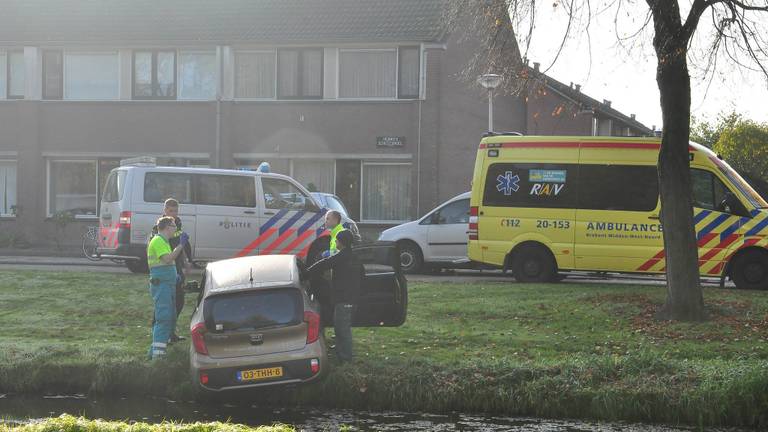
(313, 326)
(198, 339)
(203, 378)
(125, 219)
(473, 231)
(314, 364)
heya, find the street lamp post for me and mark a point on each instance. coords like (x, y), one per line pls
(490, 82)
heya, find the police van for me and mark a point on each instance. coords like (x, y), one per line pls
(540, 205)
(227, 213)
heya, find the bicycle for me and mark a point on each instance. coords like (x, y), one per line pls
(90, 243)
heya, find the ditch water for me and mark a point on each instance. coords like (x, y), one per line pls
(17, 409)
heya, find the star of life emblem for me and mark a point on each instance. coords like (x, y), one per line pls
(508, 183)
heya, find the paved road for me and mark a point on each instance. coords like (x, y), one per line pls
(446, 276)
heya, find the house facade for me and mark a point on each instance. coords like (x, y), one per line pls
(360, 98)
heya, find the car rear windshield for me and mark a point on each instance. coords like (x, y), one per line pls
(113, 190)
(254, 309)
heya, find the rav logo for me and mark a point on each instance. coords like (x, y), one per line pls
(546, 189)
(257, 339)
(227, 224)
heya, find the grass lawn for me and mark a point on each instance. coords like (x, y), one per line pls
(556, 350)
(67, 423)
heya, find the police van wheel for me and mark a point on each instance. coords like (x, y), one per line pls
(750, 270)
(411, 259)
(137, 266)
(533, 264)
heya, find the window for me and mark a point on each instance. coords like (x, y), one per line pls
(53, 74)
(348, 185)
(91, 76)
(708, 190)
(618, 187)
(154, 75)
(456, 212)
(15, 72)
(254, 310)
(159, 186)
(7, 188)
(255, 75)
(114, 187)
(72, 187)
(281, 194)
(226, 190)
(335, 204)
(410, 72)
(315, 175)
(197, 75)
(367, 73)
(3, 75)
(531, 185)
(386, 192)
(300, 73)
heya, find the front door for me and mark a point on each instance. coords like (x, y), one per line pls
(447, 232)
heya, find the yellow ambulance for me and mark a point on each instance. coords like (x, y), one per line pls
(540, 205)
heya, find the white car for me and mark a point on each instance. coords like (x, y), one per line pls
(438, 239)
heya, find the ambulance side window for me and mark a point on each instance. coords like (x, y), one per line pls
(281, 194)
(618, 187)
(531, 185)
(708, 190)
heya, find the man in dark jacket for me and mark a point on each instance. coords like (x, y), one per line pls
(347, 275)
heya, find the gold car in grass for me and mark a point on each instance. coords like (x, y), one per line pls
(257, 323)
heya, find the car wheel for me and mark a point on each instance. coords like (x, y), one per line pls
(411, 258)
(533, 264)
(750, 270)
(137, 266)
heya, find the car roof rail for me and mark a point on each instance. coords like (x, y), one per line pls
(493, 134)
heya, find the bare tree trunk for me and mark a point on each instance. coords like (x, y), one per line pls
(685, 301)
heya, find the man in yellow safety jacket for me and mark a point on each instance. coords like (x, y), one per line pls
(333, 224)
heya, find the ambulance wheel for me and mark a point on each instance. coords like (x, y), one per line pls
(411, 258)
(137, 266)
(532, 263)
(750, 270)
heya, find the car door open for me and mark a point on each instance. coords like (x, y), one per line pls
(383, 300)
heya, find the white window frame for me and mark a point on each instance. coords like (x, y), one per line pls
(179, 53)
(64, 54)
(338, 74)
(235, 79)
(16, 162)
(364, 164)
(48, 212)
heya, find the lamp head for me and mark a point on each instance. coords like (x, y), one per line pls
(489, 81)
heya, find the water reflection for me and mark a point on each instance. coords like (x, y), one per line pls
(152, 410)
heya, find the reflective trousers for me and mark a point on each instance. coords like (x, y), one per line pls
(162, 287)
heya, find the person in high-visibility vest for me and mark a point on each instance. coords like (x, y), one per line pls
(183, 261)
(333, 224)
(162, 283)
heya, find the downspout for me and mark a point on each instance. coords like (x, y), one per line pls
(418, 164)
(217, 156)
